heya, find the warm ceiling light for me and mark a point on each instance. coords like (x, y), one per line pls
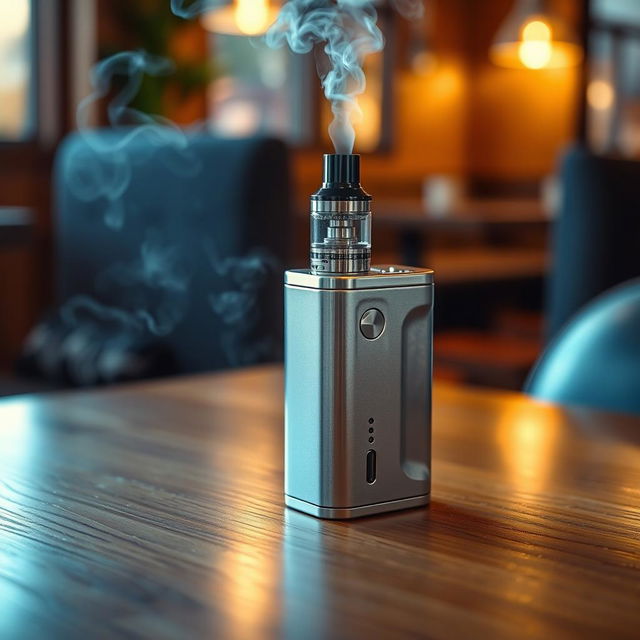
(532, 38)
(241, 18)
(534, 50)
(252, 16)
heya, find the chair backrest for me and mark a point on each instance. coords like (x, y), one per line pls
(181, 237)
(595, 237)
(595, 359)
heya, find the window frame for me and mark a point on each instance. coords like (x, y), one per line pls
(47, 82)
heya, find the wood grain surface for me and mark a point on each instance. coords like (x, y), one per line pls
(155, 511)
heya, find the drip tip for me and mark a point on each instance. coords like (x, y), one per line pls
(341, 178)
(341, 168)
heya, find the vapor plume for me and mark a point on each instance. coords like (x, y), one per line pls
(342, 33)
(103, 168)
(237, 302)
(348, 31)
(154, 287)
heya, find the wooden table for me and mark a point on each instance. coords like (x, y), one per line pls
(155, 510)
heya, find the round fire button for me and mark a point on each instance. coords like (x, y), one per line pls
(372, 324)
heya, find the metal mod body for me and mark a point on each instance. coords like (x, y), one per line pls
(358, 391)
(358, 365)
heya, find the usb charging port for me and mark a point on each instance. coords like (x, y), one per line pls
(371, 466)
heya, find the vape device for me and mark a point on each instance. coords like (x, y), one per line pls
(358, 345)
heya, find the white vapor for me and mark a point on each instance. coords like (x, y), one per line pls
(348, 31)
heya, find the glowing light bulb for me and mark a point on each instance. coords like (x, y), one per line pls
(252, 16)
(534, 50)
(600, 95)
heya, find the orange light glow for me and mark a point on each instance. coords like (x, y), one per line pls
(252, 16)
(241, 18)
(535, 41)
(535, 49)
(529, 440)
(600, 95)
(367, 125)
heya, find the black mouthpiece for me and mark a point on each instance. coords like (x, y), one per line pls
(341, 178)
(341, 168)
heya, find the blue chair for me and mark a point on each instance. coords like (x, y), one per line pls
(169, 249)
(595, 359)
(594, 243)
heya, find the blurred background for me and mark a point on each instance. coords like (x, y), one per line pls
(499, 141)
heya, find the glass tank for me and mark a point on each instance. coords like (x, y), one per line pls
(341, 219)
(340, 243)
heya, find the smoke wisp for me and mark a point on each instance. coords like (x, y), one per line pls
(342, 33)
(102, 169)
(237, 302)
(348, 31)
(152, 289)
(154, 285)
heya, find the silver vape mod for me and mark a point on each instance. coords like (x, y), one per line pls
(358, 365)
